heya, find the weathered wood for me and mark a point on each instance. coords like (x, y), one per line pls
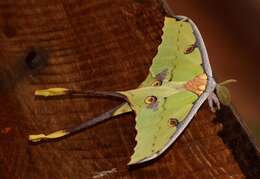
(104, 46)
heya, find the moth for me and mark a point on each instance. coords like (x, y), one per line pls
(178, 82)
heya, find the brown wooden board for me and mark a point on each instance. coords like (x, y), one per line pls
(101, 45)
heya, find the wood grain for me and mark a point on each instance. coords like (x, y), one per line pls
(101, 45)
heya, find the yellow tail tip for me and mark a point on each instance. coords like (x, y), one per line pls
(36, 138)
(51, 92)
(54, 135)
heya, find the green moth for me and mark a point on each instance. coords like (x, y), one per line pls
(179, 81)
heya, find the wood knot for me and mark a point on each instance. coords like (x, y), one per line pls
(36, 59)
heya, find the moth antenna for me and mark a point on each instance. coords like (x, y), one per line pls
(227, 82)
(223, 93)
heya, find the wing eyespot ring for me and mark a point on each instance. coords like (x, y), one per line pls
(173, 122)
(157, 83)
(190, 49)
(150, 99)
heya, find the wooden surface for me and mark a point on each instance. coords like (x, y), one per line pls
(104, 46)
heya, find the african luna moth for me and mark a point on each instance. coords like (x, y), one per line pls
(179, 81)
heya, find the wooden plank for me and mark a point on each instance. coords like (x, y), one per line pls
(104, 46)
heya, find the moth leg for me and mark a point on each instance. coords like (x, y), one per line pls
(213, 100)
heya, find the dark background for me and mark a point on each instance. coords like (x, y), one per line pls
(231, 33)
